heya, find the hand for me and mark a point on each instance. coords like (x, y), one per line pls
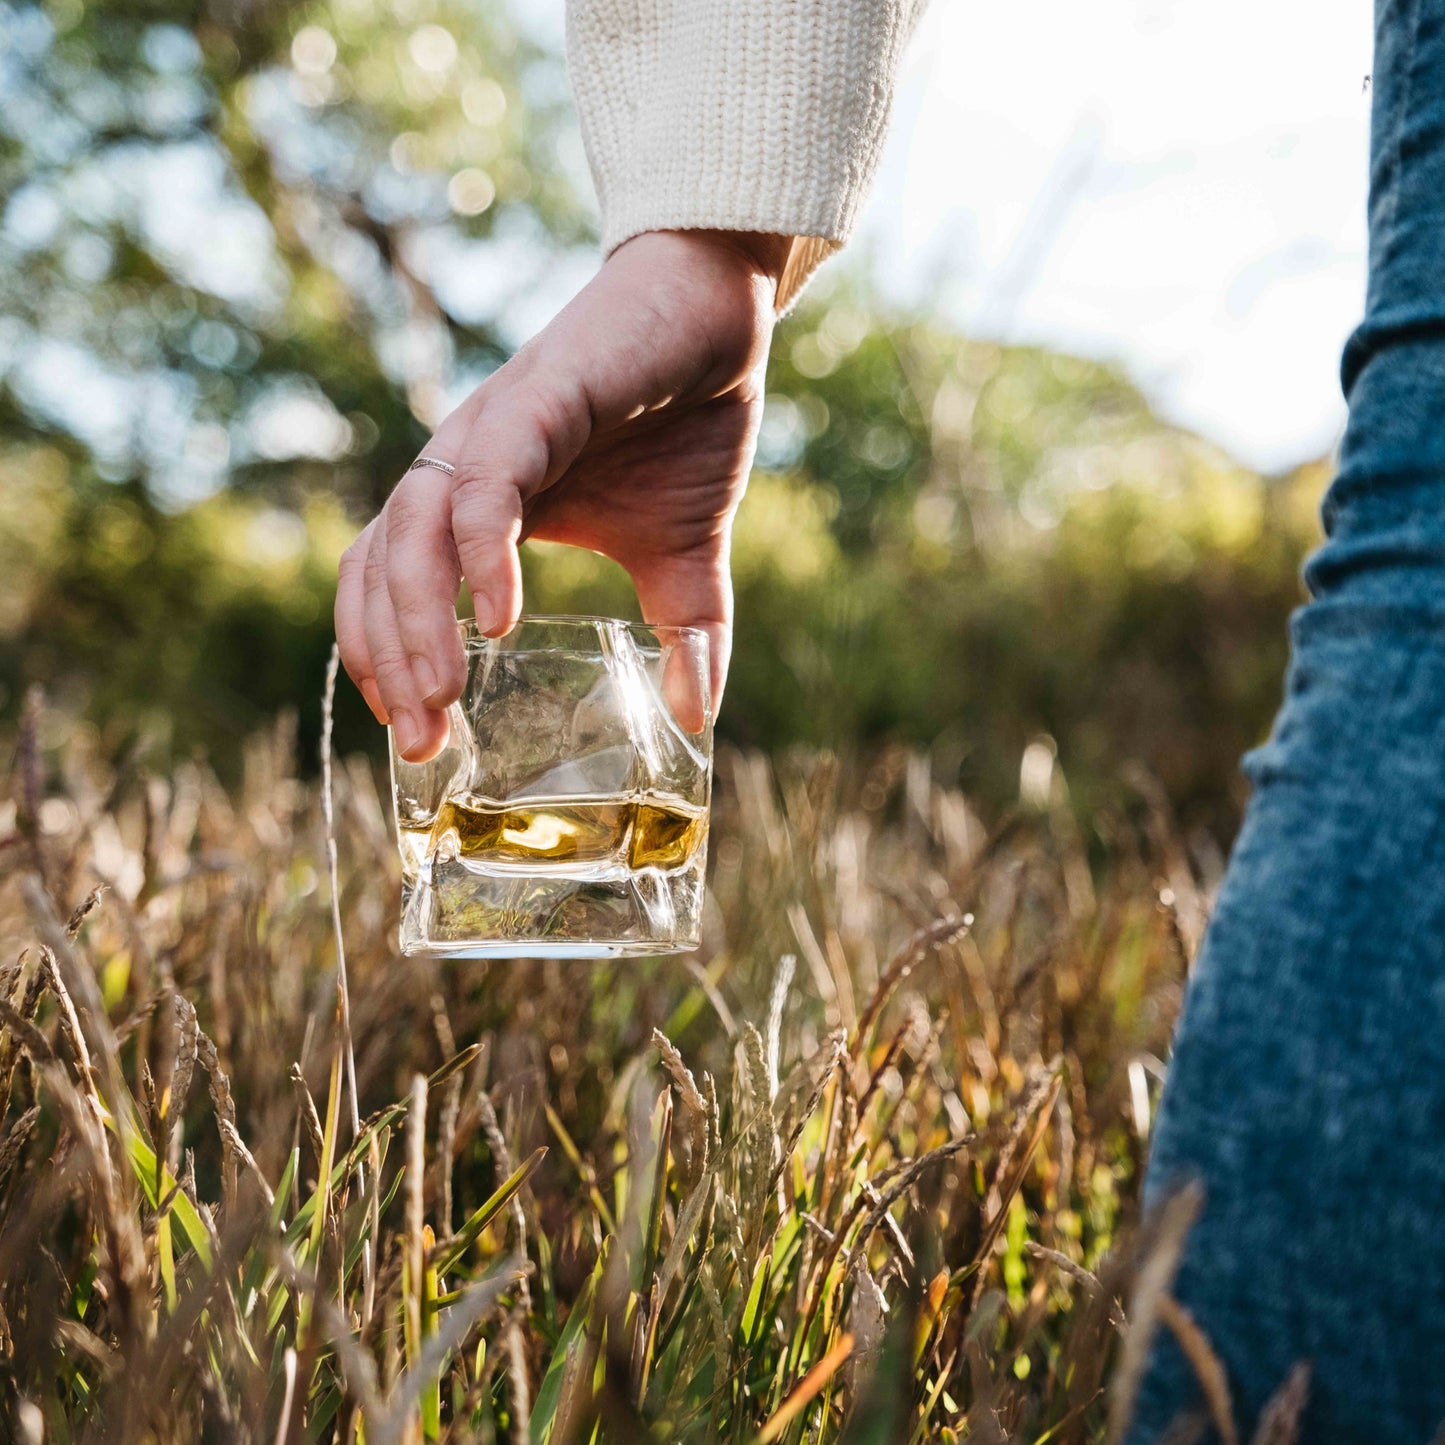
(627, 426)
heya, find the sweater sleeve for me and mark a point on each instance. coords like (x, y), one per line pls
(738, 115)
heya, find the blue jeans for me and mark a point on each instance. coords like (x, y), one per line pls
(1307, 1087)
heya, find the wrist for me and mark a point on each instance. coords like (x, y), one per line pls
(766, 253)
(757, 256)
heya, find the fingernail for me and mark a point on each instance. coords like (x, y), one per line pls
(405, 731)
(426, 678)
(485, 614)
(374, 702)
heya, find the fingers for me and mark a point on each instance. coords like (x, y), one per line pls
(396, 597)
(350, 617)
(669, 322)
(369, 639)
(487, 526)
(693, 589)
(418, 731)
(507, 455)
(421, 577)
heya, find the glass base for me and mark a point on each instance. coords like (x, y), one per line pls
(540, 948)
(456, 910)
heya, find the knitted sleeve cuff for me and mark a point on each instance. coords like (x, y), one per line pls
(739, 115)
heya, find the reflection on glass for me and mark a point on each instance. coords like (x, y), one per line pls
(567, 815)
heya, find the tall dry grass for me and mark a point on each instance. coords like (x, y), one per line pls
(860, 1170)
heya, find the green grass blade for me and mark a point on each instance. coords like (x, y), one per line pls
(550, 1391)
(145, 1167)
(451, 1253)
(388, 1118)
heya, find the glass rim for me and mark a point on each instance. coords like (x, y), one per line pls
(471, 633)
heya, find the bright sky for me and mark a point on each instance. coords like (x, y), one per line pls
(1175, 185)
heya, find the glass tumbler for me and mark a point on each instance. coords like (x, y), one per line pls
(567, 816)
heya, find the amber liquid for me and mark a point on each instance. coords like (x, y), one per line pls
(652, 831)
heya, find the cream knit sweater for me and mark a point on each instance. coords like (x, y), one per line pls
(738, 115)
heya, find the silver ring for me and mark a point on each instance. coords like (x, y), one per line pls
(436, 462)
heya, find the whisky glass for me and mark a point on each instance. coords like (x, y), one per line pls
(567, 815)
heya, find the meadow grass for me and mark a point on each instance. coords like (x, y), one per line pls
(864, 1169)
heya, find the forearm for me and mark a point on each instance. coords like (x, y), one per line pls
(763, 116)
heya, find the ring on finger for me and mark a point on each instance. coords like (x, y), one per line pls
(436, 462)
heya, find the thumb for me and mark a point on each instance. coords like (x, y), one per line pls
(690, 589)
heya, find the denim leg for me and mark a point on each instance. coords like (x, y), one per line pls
(1307, 1086)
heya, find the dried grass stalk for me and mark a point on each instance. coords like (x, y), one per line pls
(1279, 1421)
(1155, 1276)
(1207, 1366)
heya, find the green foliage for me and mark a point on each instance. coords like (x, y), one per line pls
(221, 230)
(1120, 589)
(967, 547)
(244, 263)
(189, 629)
(247, 257)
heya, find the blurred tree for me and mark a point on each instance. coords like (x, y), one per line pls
(223, 225)
(967, 546)
(249, 253)
(262, 247)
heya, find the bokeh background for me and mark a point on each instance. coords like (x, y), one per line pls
(1042, 456)
(1042, 453)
